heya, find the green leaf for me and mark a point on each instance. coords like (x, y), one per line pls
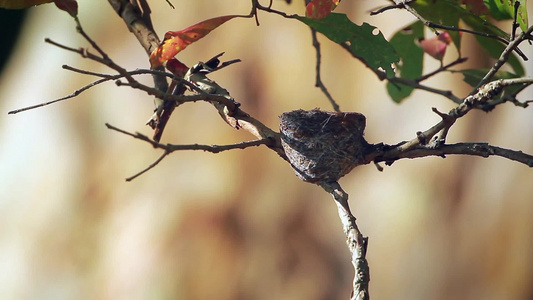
(372, 49)
(411, 59)
(504, 10)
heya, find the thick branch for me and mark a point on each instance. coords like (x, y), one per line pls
(140, 25)
(474, 149)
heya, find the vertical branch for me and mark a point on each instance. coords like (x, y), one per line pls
(357, 244)
(139, 23)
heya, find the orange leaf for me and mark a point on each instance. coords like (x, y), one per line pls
(175, 41)
(318, 9)
(18, 4)
(70, 6)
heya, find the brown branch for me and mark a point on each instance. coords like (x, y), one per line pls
(151, 166)
(169, 148)
(74, 94)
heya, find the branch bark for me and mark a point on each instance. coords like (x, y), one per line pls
(140, 24)
(357, 244)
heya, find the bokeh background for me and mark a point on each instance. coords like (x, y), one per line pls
(240, 224)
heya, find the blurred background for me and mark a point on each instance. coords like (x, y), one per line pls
(240, 224)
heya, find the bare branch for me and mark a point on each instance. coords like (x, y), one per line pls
(474, 149)
(357, 244)
(169, 148)
(389, 7)
(74, 94)
(151, 166)
(484, 94)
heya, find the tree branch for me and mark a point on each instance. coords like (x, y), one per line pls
(504, 57)
(169, 148)
(484, 94)
(474, 149)
(319, 82)
(357, 244)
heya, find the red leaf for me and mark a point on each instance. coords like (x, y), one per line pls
(318, 9)
(19, 4)
(70, 6)
(175, 41)
(176, 67)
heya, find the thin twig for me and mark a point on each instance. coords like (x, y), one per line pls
(416, 85)
(85, 72)
(74, 94)
(151, 166)
(319, 82)
(389, 7)
(442, 68)
(108, 77)
(169, 148)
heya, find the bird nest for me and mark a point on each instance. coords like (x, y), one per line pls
(322, 145)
